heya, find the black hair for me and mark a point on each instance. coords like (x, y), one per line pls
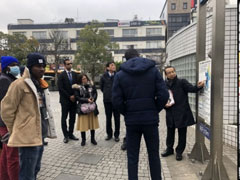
(110, 62)
(80, 76)
(169, 67)
(131, 53)
(66, 59)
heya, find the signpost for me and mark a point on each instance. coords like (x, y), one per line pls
(204, 99)
(199, 151)
(215, 169)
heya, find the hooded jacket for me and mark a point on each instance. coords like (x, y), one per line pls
(21, 113)
(139, 92)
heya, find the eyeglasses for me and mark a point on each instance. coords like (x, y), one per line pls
(69, 64)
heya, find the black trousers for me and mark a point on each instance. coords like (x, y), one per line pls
(109, 110)
(182, 135)
(68, 109)
(151, 137)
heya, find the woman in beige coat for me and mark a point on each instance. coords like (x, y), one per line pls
(85, 92)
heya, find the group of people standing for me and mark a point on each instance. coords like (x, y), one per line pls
(76, 90)
(137, 91)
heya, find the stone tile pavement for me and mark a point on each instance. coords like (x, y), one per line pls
(107, 161)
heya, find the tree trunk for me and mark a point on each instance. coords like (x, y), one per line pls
(56, 71)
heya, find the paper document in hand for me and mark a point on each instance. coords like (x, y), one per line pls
(171, 99)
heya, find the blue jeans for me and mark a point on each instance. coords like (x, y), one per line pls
(30, 162)
(151, 136)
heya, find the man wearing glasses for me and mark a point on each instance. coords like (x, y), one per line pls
(67, 99)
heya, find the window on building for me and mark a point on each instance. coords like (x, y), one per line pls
(129, 32)
(22, 33)
(184, 5)
(153, 31)
(63, 34)
(132, 46)
(154, 44)
(110, 32)
(77, 33)
(179, 19)
(39, 34)
(173, 6)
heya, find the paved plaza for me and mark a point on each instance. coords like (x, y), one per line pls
(107, 161)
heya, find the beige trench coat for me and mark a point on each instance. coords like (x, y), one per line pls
(21, 114)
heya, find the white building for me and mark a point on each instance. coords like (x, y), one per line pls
(148, 37)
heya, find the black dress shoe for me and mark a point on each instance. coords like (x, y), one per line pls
(65, 140)
(124, 146)
(83, 143)
(179, 157)
(117, 139)
(108, 138)
(167, 153)
(93, 141)
(45, 143)
(73, 138)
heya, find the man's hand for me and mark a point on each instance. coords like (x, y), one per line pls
(200, 84)
(72, 98)
(90, 100)
(168, 105)
(5, 138)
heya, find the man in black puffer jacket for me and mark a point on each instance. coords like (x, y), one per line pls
(140, 93)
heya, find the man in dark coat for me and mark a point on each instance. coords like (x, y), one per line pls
(106, 87)
(9, 159)
(140, 93)
(65, 81)
(178, 113)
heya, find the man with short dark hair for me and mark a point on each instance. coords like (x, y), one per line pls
(140, 93)
(26, 111)
(106, 87)
(178, 111)
(65, 81)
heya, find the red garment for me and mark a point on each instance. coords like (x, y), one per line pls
(9, 160)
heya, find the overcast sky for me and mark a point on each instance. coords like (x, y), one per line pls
(46, 11)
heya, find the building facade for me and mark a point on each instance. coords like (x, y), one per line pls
(177, 13)
(148, 37)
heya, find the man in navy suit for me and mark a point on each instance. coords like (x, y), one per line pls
(67, 99)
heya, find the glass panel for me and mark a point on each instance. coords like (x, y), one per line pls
(129, 32)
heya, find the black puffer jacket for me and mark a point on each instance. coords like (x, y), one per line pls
(82, 95)
(180, 115)
(5, 81)
(139, 92)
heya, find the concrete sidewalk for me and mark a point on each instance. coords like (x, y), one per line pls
(107, 161)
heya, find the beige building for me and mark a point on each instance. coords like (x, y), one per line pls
(148, 37)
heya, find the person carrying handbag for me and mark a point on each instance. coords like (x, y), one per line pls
(86, 95)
